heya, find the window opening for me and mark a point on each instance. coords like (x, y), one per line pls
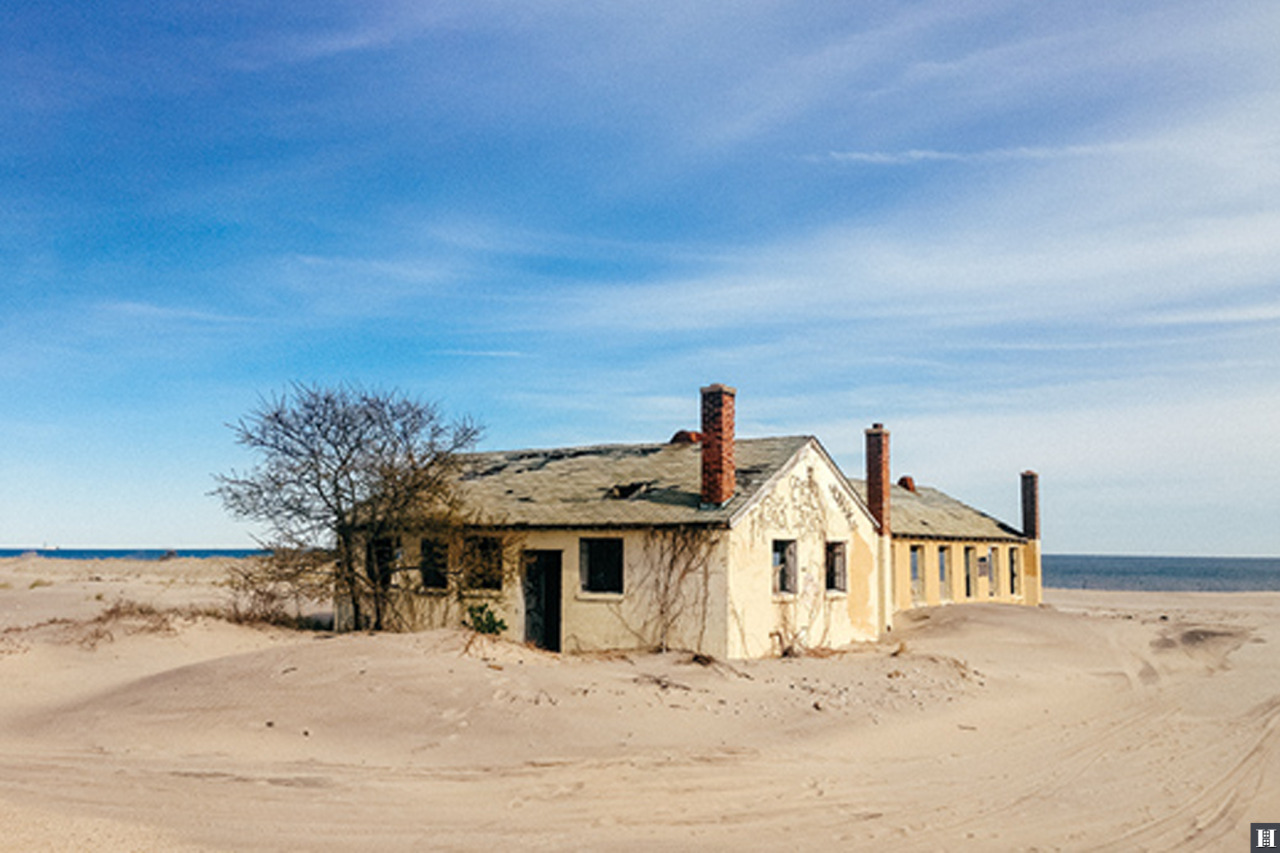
(917, 574)
(434, 564)
(837, 574)
(482, 562)
(600, 565)
(784, 565)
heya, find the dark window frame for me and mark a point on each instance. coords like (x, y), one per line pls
(482, 563)
(784, 567)
(917, 574)
(837, 565)
(382, 560)
(601, 561)
(433, 564)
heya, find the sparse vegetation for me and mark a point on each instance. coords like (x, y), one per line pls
(482, 620)
(39, 582)
(341, 469)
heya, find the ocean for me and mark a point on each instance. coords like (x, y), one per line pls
(1172, 574)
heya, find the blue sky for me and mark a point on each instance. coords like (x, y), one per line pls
(1021, 234)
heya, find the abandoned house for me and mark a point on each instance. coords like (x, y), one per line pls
(733, 547)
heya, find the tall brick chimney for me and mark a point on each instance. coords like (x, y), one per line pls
(878, 482)
(719, 476)
(1031, 504)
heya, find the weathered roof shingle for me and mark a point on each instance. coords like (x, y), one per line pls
(930, 514)
(620, 485)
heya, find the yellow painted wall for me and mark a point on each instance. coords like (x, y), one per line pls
(995, 587)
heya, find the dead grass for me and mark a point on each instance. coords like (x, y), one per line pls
(39, 582)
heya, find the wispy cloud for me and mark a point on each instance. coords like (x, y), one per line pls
(912, 157)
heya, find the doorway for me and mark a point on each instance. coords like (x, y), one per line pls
(542, 599)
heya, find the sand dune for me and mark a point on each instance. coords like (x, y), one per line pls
(1106, 721)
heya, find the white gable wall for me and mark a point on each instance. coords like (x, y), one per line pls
(811, 504)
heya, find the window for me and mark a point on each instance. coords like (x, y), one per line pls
(944, 573)
(600, 565)
(970, 571)
(1013, 571)
(482, 562)
(380, 560)
(784, 565)
(837, 579)
(434, 564)
(993, 572)
(917, 574)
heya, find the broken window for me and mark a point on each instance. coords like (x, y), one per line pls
(381, 558)
(917, 574)
(837, 579)
(600, 565)
(970, 571)
(784, 565)
(482, 562)
(944, 572)
(1013, 571)
(434, 564)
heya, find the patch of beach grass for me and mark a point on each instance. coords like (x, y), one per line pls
(39, 582)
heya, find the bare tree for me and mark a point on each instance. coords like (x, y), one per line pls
(343, 468)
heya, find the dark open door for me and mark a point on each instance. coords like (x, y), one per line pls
(542, 599)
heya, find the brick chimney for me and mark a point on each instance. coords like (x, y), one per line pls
(878, 475)
(1031, 504)
(719, 476)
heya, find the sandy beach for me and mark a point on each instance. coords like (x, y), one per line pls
(130, 719)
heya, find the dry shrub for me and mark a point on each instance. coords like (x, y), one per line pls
(271, 590)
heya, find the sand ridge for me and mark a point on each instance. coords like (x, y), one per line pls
(1105, 721)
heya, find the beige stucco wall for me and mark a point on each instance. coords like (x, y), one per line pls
(812, 505)
(695, 615)
(996, 587)
(593, 621)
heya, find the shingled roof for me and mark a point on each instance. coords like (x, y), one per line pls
(930, 514)
(618, 485)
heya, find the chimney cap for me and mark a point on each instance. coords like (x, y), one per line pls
(719, 387)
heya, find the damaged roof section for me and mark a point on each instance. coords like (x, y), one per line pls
(926, 513)
(620, 485)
